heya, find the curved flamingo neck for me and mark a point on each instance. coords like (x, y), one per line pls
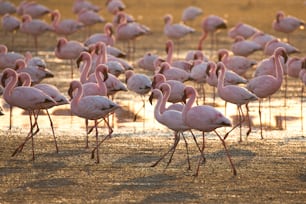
(221, 79)
(278, 69)
(165, 99)
(85, 71)
(78, 95)
(100, 81)
(10, 85)
(157, 109)
(189, 103)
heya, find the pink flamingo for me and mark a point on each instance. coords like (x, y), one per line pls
(171, 119)
(294, 66)
(34, 27)
(78, 5)
(147, 62)
(275, 43)
(242, 29)
(140, 84)
(204, 118)
(176, 87)
(7, 7)
(243, 47)
(64, 27)
(91, 108)
(190, 13)
(176, 31)
(302, 77)
(182, 64)
(8, 59)
(238, 64)
(192, 55)
(286, 24)
(89, 18)
(35, 10)
(266, 85)
(113, 6)
(210, 25)
(51, 90)
(173, 73)
(10, 24)
(69, 50)
(236, 95)
(262, 38)
(27, 98)
(37, 74)
(129, 32)
(107, 37)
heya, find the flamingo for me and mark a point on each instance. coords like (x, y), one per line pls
(113, 6)
(242, 29)
(78, 5)
(210, 25)
(129, 32)
(302, 77)
(176, 87)
(238, 64)
(275, 43)
(8, 59)
(176, 31)
(69, 50)
(204, 118)
(140, 84)
(190, 13)
(10, 24)
(236, 95)
(171, 119)
(262, 38)
(148, 61)
(172, 73)
(37, 74)
(27, 98)
(91, 108)
(48, 89)
(107, 37)
(34, 27)
(266, 85)
(35, 10)
(243, 47)
(182, 64)
(286, 24)
(89, 18)
(192, 55)
(294, 66)
(64, 27)
(7, 7)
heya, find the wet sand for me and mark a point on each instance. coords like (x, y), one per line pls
(268, 170)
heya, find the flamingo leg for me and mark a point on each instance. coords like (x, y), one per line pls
(302, 118)
(52, 128)
(11, 117)
(186, 145)
(195, 140)
(227, 153)
(238, 124)
(249, 120)
(97, 142)
(87, 132)
(201, 158)
(176, 140)
(259, 112)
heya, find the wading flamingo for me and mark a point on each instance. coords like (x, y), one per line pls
(27, 98)
(204, 118)
(91, 108)
(265, 85)
(10, 24)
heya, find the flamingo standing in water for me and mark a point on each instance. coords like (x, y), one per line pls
(28, 98)
(171, 119)
(242, 29)
(107, 37)
(34, 27)
(244, 47)
(140, 84)
(190, 13)
(236, 95)
(35, 10)
(10, 24)
(64, 27)
(204, 118)
(286, 24)
(265, 85)
(91, 108)
(69, 50)
(210, 25)
(175, 31)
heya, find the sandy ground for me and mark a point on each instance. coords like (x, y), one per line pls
(268, 171)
